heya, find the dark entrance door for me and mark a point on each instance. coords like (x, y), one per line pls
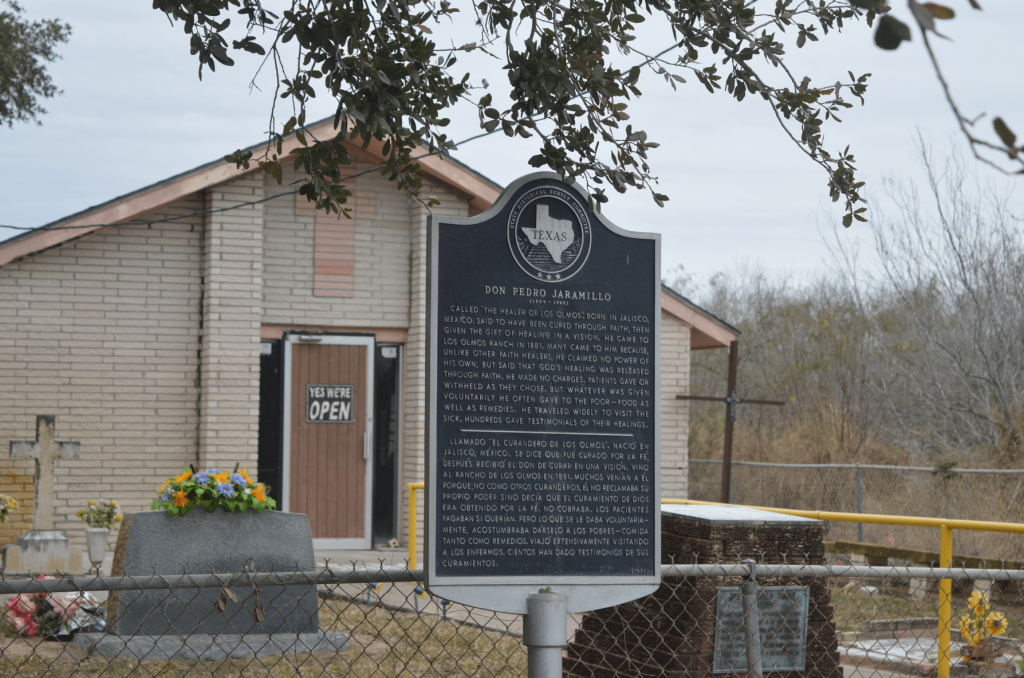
(386, 444)
(271, 413)
(386, 441)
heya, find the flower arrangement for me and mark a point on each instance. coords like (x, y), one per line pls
(234, 490)
(100, 514)
(8, 505)
(42, 614)
(979, 624)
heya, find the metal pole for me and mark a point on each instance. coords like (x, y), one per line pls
(860, 507)
(725, 496)
(751, 623)
(945, 602)
(545, 630)
(412, 487)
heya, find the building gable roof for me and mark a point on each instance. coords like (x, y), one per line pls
(707, 331)
(481, 193)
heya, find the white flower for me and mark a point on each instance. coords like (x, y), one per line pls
(248, 490)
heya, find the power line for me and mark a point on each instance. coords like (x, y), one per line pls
(149, 222)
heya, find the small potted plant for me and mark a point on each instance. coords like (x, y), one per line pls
(8, 505)
(99, 516)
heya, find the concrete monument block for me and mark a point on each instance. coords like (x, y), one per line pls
(219, 541)
(42, 552)
(674, 632)
(185, 623)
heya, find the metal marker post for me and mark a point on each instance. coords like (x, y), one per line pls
(545, 631)
(860, 507)
(751, 623)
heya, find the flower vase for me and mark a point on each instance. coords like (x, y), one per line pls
(96, 541)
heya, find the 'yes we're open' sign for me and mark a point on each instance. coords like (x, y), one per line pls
(329, 403)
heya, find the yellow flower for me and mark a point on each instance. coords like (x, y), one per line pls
(92, 502)
(257, 493)
(978, 602)
(113, 503)
(118, 518)
(967, 627)
(164, 487)
(183, 477)
(245, 474)
(995, 623)
(180, 499)
(221, 477)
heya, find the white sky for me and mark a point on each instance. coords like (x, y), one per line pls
(133, 112)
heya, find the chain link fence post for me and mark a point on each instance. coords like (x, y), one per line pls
(751, 622)
(857, 479)
(545, 633)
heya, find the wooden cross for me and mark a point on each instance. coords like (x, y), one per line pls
(45, 451)
(731, 401)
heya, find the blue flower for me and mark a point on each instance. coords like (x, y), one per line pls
(213, 471)
(166, 496)
(202, 477)
(225, 490)
(238, 479)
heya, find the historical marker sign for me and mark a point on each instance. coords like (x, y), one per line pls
(782, 614)
(543, 403)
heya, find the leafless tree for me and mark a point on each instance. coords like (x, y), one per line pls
(917, 357)
(950, 313)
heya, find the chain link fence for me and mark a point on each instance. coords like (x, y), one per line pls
(819, 621)
(967, 494)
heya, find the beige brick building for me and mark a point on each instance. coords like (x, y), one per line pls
(154, 327)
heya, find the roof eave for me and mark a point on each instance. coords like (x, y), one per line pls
(706, 329)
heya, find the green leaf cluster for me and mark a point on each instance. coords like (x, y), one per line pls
(392, 83)
(25, 47)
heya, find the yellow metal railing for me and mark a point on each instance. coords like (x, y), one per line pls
(945, 526)
(413, 487)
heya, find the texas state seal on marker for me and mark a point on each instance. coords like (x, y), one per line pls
(549, 234)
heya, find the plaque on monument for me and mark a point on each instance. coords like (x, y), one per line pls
(543, 403)
(782, 611)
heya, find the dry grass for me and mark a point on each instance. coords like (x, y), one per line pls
(386, 644)
(854, 609)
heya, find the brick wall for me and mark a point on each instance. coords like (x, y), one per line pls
(102, 331)
(17, 480)
(229, 403)
(377, 292)
(106, 335)
(675, 427)
(414, 435)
